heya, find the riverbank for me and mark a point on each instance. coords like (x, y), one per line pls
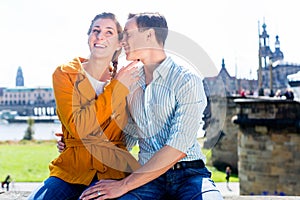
(16, 131)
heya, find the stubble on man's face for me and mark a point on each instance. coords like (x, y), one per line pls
(133, 40)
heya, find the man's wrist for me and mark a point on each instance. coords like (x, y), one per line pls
(125, 185)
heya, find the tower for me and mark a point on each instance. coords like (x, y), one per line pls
(277, 55)
(265, 51)
(265, 62)
(19, 78)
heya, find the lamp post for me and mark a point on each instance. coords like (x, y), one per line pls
(271, 78)
(260, 89)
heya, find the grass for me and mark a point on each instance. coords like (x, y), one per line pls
(27, 161)
(217, 176)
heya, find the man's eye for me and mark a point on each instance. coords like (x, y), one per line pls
(125, 34)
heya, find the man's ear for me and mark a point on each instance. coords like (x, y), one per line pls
(150, 33)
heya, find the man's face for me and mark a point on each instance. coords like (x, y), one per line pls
(134, 41)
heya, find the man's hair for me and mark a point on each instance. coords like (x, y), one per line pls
(155, 21)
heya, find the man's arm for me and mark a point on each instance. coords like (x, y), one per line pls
(163, 160)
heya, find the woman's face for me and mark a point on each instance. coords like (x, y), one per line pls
(103, 40)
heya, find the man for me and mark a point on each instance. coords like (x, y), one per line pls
(166, 107)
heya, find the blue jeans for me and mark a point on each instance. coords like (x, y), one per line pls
(183, 184)
(55, 188)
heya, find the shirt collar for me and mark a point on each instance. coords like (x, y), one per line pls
(164, 68)
(161, 70)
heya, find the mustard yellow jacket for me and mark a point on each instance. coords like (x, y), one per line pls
(92, 128)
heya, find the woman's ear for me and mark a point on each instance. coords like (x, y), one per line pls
(119, 46)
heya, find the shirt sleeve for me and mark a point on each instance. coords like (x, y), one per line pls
(190, 104)
(130, 133)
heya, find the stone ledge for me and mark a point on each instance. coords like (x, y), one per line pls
(19, 195)
(262, 197)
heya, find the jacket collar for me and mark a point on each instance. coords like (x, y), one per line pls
(75, 66)
(82, 83)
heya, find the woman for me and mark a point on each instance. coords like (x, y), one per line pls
(91, 107)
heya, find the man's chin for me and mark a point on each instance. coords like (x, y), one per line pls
(130, 57)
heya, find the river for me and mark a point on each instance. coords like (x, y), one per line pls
(16, 131)
(42, 131)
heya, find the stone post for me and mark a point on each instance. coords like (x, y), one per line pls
(268, 146)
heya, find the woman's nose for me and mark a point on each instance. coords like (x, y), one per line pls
(100, 35)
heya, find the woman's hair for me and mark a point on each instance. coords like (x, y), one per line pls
(111, 16)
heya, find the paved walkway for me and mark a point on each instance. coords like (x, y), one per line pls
(28, 187)
(21, 191)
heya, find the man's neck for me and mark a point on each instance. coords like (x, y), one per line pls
(151, 63)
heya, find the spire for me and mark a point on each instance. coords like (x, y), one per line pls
(277, 43)
(223, 63)
(19, 78)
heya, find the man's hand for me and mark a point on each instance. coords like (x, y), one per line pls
(163, 160)
(105, 189)
(60, 143)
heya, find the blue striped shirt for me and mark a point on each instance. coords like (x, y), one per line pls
(168, 111)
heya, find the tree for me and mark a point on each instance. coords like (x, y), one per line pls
(29, 131)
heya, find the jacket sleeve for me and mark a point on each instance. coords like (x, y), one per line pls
(77, 107)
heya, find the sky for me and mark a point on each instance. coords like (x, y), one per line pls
(39, 35)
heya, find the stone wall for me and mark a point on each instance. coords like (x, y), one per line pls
(268, 146)
(224, 143)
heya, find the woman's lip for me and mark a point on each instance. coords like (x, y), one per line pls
(99, 45)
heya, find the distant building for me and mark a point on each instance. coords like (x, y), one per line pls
(270, 63)
(27, 100)
(26, 96)
(273, 70)
(225, 85)
(19, 78)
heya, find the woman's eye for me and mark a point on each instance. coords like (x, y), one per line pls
(109, 32)
(96, 31)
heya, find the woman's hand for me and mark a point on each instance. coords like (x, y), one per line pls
(128, 75)
(60, 143)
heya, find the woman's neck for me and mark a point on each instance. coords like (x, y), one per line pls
(98, 69)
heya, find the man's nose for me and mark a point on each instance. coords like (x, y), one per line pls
(123, 42)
